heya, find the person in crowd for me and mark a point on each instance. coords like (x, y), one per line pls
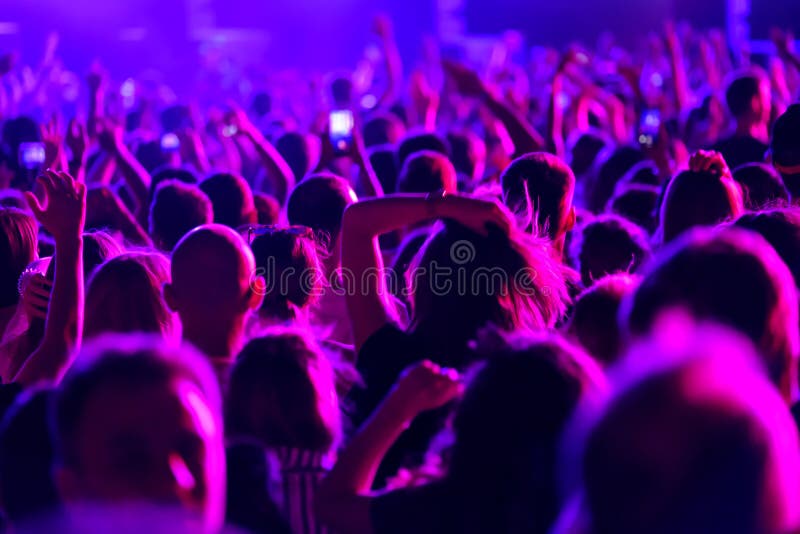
(231, 200)
(177, 208)
(425, 172)
(784, 149)
(609, 245)
(137, 433)
(749, 99)
(282, 395)
(18, 244)
(762, 186)
(734, 467)
(732, 277)
(501, 474)
(781, 229)
(214, 289)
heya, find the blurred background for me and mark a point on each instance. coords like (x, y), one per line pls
(172, 38)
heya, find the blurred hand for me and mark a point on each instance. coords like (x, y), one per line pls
(62, 210)
(109, 135)
(7, 62)
(238, 117)
(467, 81)
(96, 79)
(53, 143)
(711, 161)
(783, 40)
(35, 295)
(425, 386)
(382, 26)
(77, 139)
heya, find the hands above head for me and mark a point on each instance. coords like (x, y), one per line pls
(109, 135)
(466, 80)
(77, 139)
(52, 139)
(425, 386)
(382, 26)
(96, 79)
(711, 161)
(7, 62)
(62, 210)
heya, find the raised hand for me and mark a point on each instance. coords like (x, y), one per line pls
(53, 144)
(62, 210)
(467, 81)
(109, 135)
(77, 139)
(709, 160)
(425, 386)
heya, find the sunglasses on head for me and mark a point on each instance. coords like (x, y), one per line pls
(297, 230)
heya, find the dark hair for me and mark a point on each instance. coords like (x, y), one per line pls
(164, 174)
(637, 203)
(781, 229)
(644, 172)
(608, 245)
(740, 93)
(785, 147)
(467, 151)
(383, 128)
(231, 198)
(294, 148)
(585, 149)
(292, 269)
(268, 208)
(319, 202)
(150, 155)
(612, 165)
(762, 186)
(285, 376)
(261, 103)
(416, 142)
(384, 161)
(507, 429)
(425, 172)
(544, 184)
(18, 245)
(176, 209)
(594, 323)
(513, 283)
(730, 276)
(698, 198)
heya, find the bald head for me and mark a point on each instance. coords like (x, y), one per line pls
(211, 270)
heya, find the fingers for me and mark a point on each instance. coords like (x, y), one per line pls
(34, 204)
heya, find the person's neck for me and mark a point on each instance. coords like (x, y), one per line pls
(220, 340)
(750, 128)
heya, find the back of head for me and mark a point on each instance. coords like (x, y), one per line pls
(612, 165)
(289, 262)
(282, 393)
(785, 148)
(594, 323)
(151, 155)
(637, 203)
(416, 142)
(644, 172)
(383, 128)
(696, 440)
(732, 277)
(762, 186)
(543, 186)
(231, 198)
(268, 208)
(461, 281)
(125, 295)
(212, 267)
(781, 229)
(318, 202)
(698, 198)
(177, 208)
(508, 424)
(425, 172)
(384, 161)
(18, 247)
(468, 153)
(98, 246)
(295, 149)
(584, 151)
(609, 244)
(168, 174)
(740, 94)
(129, 373)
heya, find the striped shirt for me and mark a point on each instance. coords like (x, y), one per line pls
(301, 472)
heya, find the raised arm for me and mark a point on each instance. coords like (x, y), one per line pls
(343, 498)
(364, 221)
(136, 176)
(61, 212)
(680, 79)
(77, 139)
(524, 136)
(277, 168)
(392, 58)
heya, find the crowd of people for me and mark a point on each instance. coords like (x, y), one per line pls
(551, 292)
